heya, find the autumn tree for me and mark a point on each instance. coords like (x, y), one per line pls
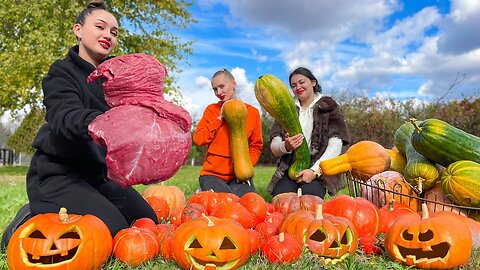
(36, 33)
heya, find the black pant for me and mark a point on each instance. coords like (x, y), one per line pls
(239, 188)
(117, 207)
(287, 185)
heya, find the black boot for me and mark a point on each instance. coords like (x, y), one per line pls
(23, 215)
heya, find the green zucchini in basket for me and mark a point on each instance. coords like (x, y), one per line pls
(461, 180)
(444, 143)
(419, 171)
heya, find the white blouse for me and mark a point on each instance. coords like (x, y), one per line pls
(305, 116)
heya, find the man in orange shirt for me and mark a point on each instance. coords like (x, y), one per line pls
(217, 173)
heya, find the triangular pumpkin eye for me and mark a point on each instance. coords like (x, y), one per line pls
(195, 244)
(37, 234)
(70, 235)
(347, 237)
(227, 244)
(334, 245)
(318, 236)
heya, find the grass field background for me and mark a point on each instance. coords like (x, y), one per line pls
(13, 196)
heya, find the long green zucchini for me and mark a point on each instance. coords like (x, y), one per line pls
(274, 96)
(444, 143)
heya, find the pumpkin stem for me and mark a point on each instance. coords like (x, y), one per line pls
(425, 214)
(319, 212)
(299, 192)
(390, 205)
(63, 216)
(210, 222)
(419, 185)
(417, 128)
(281, 237)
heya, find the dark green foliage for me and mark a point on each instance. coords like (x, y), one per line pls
(21, 140)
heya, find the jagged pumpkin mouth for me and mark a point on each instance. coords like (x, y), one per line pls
(438, 251)
(200, 264)
(52, 259)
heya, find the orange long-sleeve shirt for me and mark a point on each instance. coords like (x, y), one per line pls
(213, 132)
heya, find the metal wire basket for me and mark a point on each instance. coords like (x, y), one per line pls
(377, 193)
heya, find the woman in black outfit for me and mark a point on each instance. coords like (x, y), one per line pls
(68, 169)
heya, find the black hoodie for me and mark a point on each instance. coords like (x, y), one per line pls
(71, 105)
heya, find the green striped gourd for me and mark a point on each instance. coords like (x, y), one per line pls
(461, 180)
(274, 96)
(444, 143)
(419, 171)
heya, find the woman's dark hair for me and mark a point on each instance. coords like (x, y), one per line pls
(91, 6)
(307, 73)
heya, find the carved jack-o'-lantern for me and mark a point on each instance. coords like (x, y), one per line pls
(60, 241)
(211, 243)
(429, 242)
(328, 236)
(331, 237)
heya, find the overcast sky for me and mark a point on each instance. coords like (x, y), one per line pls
(385, 48)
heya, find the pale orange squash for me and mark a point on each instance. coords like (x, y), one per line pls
(363, 159)
(235, 114)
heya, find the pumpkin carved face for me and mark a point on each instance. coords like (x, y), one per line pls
(211, 243)
(60, 241)
(331, 237)
(429, 241)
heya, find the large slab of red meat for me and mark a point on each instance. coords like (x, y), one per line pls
(147, 138)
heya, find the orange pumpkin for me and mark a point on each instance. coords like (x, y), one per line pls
(160, 206)
(390, 212)
(235, 114)
(210, 199)
(60, 241)
(323, 234)
(290, 202)
(389, 185)
(282, 248)
(429, 241)
(360, 211)
(172, 194)
(136, 245)
(210, 242)
(256, 205)
(363, 159)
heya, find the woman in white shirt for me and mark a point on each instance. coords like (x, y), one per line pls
(324, 128)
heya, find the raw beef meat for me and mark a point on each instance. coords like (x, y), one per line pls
(147, 138)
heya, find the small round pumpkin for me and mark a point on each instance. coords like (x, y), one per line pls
(60, 241)
(210, 242)
(172, 194)
(256, 205)
(360, 211)
(290, 202)
(390, 212)
(429, 241)
(160, 206)
(282, 248)
(135, 245)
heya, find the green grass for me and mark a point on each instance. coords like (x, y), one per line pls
(13, 196)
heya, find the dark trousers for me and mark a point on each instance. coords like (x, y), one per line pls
(239, 188)
(287, 185)
(117, 207)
